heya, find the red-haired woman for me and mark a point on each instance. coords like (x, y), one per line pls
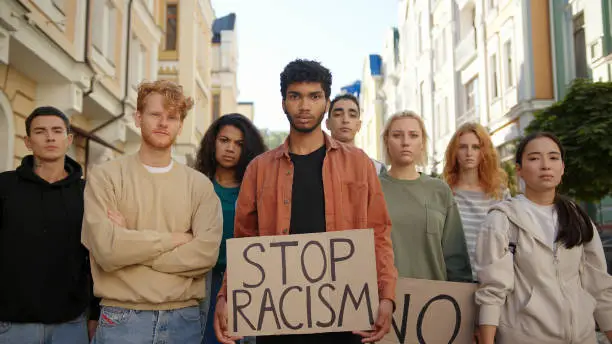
(473, 172)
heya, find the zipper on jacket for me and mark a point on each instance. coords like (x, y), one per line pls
(571, 315)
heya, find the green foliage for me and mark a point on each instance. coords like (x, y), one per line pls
(273, 139)
(583, 123)
(510, 169)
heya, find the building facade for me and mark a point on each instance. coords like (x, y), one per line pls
(391, 74)
(225, 66)
(371, 103)
(55, 53)
(416, 63)
(185, 56)
(488, 61)
(247, 109)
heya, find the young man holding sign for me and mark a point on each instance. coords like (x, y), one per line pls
(313, 184)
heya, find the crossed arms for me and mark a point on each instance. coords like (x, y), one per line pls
(113, 246)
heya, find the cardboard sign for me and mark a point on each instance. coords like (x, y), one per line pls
(306, 283)
(433, 312)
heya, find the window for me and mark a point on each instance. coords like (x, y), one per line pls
(440, 50)
(216, 106)
(580, 50)
(471, 94)
(494, 74)
(104, 37)
(422, 98)
(54, 10)
(171, 26)
(445, 116)
(509, 68)
(438, 120)
(138, 61)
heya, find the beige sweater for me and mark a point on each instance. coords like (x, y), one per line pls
(137, 267)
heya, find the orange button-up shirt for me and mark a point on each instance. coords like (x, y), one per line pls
(353, 200)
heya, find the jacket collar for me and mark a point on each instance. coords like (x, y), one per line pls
(283, 150)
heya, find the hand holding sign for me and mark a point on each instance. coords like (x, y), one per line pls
(382, 325)
(220, 323)
(307, 283)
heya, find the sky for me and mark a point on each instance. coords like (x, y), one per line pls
(271, 33)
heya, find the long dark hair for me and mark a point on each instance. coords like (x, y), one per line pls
(254, 145)
(575, 226)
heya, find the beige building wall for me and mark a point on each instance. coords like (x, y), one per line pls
(247, 109)
(17, 100)
(82, 60)
(185, 56)
(224, 66)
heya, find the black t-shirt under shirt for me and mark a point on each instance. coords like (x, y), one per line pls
(307, 196)
(308, 216)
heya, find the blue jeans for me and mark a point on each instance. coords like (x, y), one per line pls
(127, 326)
(214, 279)
(74, 331)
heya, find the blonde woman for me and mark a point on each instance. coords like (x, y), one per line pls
(473, 172)
(427, 235)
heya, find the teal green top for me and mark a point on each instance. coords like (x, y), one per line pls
(228, 197)
(427, 233)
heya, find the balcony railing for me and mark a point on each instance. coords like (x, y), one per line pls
(466, 116)
(466, 49)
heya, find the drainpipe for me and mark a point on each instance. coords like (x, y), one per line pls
(86, 60)
(126, 81)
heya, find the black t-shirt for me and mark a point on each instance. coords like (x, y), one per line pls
(307, 196)
(308, 216)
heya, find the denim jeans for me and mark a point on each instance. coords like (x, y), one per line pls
(207, 304)
(74, 331)
(127, 326)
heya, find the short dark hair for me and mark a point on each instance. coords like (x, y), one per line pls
(575, 225)
(254, 145)
(345, 96)
(46, 111)
(305, 71)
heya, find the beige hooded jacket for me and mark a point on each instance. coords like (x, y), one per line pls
(539, 294)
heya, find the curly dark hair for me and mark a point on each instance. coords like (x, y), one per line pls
(252, 147)
(305, 71)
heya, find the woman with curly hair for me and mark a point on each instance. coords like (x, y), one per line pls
(229, 145)
(473, 172)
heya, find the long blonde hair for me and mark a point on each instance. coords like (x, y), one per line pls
(491, 176)
(400, 115)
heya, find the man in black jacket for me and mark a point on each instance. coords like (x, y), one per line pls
(45, 288)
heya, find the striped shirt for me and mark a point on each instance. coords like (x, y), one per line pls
(473, 208)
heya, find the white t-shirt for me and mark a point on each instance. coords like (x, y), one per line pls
(164, 169)
(543, 216)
